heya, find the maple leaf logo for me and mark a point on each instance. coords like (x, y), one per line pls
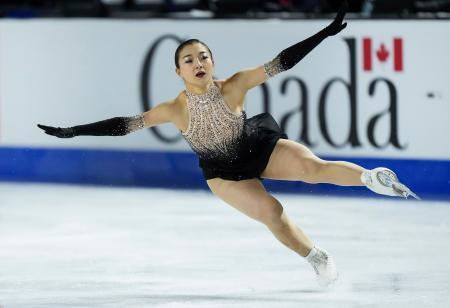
(382, 53)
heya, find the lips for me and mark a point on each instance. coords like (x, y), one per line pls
(200, 74)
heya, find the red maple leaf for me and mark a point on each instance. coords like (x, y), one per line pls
(382, 53)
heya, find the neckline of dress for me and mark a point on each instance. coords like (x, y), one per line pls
(204, 94)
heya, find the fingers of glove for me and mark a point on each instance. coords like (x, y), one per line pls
(341, 12)
(45, 127)
(50, 130)
(336, 27)
(55, 133)
(48, 133)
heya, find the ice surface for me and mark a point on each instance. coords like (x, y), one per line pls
(73, 246)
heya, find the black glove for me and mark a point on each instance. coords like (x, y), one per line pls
(58, 131)
(290, 56)
(118, 126)
(337, 26)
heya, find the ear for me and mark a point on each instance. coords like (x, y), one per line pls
(177, 71)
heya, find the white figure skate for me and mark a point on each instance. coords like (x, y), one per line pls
(324, 266)
(384, 181)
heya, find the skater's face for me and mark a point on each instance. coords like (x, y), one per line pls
(195, 64)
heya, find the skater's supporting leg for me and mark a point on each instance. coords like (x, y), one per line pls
(251, 198)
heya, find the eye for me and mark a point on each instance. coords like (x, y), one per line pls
(188, 61)
(205, 57)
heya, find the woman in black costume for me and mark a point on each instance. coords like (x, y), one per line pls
(235, 153)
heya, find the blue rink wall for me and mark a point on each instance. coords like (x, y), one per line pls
(430, 179)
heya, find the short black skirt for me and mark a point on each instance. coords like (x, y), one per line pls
(260, 136)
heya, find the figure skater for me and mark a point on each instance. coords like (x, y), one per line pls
(236, 153)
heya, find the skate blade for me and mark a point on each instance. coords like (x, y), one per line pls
(404, 191)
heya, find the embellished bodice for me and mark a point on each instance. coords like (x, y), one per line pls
(214, 131)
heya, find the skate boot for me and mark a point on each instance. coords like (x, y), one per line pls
(384, 181)
(323, 265)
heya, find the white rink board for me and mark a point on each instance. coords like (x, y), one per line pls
(68, 72)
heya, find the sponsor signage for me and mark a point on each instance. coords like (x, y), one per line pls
(375, 90)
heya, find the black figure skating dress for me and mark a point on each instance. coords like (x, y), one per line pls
(229, 145)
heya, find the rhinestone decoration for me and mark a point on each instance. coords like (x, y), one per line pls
(273, 67)
(134, 123)
(214, 131)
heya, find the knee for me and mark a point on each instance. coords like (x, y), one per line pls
(271, 212)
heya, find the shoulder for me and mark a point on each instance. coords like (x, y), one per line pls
(170, 108)
(174, 104)
(225, 85)
(180, 102)
(220, 83)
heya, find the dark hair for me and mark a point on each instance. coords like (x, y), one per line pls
(189, 42)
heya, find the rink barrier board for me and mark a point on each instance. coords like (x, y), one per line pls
(428, 178)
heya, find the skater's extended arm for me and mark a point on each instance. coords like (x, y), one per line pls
(117, 126)
(290, 56)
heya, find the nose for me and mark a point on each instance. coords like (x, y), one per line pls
(198, 63)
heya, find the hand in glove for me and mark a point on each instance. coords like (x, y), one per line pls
(58, 131)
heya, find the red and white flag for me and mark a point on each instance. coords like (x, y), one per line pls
(383, 54)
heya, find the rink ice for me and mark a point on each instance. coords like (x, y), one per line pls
(74, 246)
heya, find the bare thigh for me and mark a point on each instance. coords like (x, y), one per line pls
(291, 160)
(248, 196)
